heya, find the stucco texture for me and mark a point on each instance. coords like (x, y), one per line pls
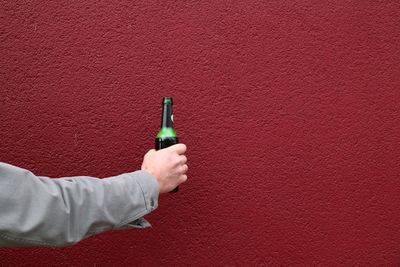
(290, 111)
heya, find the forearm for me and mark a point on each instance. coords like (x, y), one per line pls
(55, 212)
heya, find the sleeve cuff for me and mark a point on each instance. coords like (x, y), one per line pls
(150, 190)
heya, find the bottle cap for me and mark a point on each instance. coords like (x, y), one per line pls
(167, 100)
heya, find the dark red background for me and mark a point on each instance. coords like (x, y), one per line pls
(290, 110)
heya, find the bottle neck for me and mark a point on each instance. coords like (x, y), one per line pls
(166, 121)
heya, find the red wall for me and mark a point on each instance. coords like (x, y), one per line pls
(290, 110)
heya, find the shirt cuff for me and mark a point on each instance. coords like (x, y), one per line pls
(150, 190)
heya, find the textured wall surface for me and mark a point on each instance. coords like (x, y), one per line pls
(290, 110)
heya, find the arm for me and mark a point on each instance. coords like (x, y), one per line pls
(39, 211)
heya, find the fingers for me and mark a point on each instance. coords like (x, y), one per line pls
(183, 178)
(185, 168)
(178, 148)
(168, 165)
(183, 159)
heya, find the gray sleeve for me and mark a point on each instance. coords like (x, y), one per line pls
(39, 211)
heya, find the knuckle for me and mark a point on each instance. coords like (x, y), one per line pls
(184, 168)
(176, 160)
(184, 147)
(184, 178)
(184, 159)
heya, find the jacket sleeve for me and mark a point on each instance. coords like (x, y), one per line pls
(39, 211)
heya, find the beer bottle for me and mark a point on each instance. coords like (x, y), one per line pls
(166, 136)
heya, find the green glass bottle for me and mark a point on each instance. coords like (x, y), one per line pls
(166, 136)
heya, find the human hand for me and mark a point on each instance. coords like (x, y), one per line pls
(168, 165)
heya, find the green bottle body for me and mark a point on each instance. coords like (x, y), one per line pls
(165, 142)
(166, 136)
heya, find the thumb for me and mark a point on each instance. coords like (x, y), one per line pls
(151, 151)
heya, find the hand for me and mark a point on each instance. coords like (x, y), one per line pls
(168, 165)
